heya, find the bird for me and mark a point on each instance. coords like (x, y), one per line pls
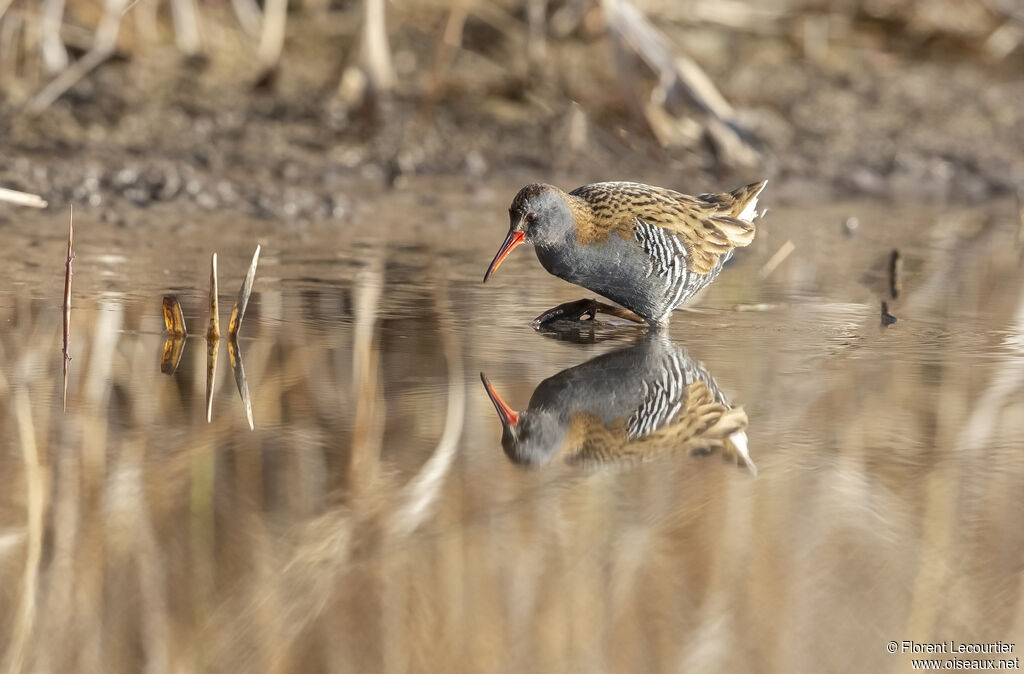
(635, 403)
(650, 249)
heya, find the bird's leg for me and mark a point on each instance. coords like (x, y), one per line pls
(589, 307)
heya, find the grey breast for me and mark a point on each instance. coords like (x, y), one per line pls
(615, 268)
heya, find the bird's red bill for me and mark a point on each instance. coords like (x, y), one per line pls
(508, 415)
(511, 241)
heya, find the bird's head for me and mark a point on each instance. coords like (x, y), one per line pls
(539, 215)
(529, 438)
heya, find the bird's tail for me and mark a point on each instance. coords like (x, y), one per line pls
(744, 201)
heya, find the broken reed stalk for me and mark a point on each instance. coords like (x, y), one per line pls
(238, 313)
(174, 345)
(22, 198)
(67, 301)
(174, 320)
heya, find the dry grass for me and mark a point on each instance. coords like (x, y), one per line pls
(661, 81)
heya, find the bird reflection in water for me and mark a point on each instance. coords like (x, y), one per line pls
(632, 404)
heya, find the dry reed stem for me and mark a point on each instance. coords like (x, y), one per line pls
(67, 303)
(186, 26)
(275, 17)
(55, 55)
(213, 331)
(375, 52)
(242, 301)
(22, 198)
(102, 48)
(777, 259)
(631, 30)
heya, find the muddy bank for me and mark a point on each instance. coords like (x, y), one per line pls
(876, 109)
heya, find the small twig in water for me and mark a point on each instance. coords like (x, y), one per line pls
(895, 273)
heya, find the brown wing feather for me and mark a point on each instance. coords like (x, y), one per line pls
(708, 225)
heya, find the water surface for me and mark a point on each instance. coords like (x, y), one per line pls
(371, 520)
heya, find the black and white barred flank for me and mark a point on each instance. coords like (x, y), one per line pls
(669, 261)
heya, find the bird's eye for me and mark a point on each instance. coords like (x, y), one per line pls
(531, 217)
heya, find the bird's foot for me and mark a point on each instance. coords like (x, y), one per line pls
(570, 311)
(576, 311)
